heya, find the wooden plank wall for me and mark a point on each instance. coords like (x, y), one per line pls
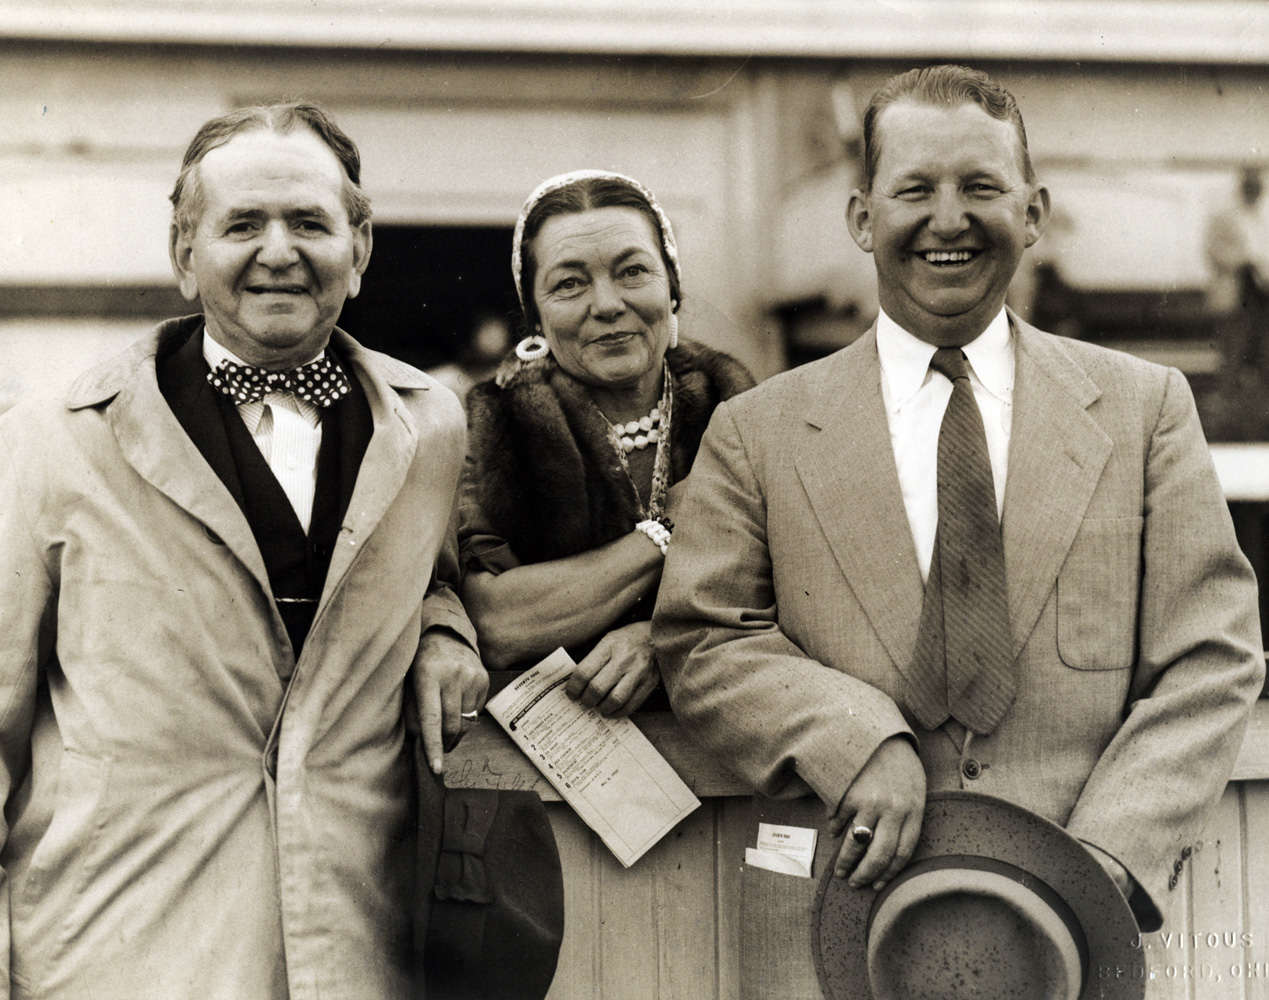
(652, 931)
(1215, 940)
(670, 927)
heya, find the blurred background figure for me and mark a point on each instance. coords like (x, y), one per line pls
(1237, 247)
(478, 359)
(1236, 243)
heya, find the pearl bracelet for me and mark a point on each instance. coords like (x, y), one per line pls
(657, 532)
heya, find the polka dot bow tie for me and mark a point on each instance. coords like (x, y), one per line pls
(320, 382)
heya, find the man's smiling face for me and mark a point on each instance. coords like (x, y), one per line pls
(273, 256)
(947, 217)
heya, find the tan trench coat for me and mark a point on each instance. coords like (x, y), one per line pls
(177, 823)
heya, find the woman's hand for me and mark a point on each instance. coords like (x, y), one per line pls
(619, 673)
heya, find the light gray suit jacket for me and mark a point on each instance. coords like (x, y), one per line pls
(790, 600)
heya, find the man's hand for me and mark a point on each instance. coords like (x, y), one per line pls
(449, 680)
(888, 797)
(619, 673)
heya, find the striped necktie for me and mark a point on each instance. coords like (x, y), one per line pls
(961, 665)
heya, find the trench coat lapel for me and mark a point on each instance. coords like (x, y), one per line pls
(153, 442)
(183, 383)
(388, 456)
(158, 448)
(1057, 453)
(849, 474)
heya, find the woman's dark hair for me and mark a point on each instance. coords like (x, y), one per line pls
(581, 196)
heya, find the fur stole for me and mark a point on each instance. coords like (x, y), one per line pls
(546, 475)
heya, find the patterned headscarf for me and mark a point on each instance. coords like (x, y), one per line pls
(572, 177)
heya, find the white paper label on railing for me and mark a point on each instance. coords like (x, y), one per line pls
(785, 849)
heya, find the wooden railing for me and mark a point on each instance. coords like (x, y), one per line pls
(673, 925)
(488, 759)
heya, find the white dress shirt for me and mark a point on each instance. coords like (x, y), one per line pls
(915, 398)
(286, 429)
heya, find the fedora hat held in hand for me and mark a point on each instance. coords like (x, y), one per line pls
(997, 903)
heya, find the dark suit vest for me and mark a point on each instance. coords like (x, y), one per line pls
(296, 563)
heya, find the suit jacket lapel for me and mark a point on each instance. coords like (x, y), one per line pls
(1056, 456)
(849, 474)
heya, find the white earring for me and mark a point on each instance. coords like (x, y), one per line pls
(674, 331)
(533, 348)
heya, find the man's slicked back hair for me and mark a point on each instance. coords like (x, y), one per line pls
(945, 86)
(187, 196)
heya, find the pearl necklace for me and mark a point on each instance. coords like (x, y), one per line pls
(639, 433)
(663, 414)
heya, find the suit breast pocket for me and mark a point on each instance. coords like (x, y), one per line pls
(1098, 595)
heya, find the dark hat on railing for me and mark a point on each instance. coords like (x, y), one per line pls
(489, 905)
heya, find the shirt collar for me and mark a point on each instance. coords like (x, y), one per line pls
(214, 352)
(905, 359)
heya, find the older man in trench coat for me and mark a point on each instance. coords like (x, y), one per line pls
(213, 609)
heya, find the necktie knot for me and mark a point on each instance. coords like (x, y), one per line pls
(950, 361)
(321, 382)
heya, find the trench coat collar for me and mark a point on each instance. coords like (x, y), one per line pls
(388, 457)
(1056, 456)
(154, 444)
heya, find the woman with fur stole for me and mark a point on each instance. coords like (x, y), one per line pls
(579, 447)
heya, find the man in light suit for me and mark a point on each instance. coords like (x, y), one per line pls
(794, 623)
(228, 563)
